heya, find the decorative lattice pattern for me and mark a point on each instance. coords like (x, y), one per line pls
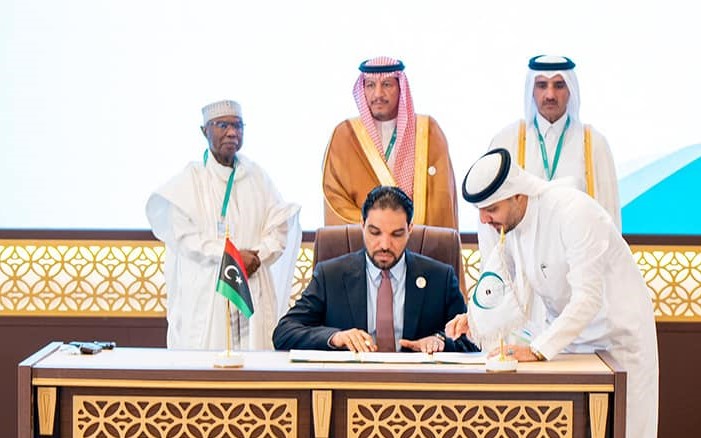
(125, 278)
(303, 271)
(459, 418)
(118, 278)
(161, 417)
(674, 279)
(471, 264)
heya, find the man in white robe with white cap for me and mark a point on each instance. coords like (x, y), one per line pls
(192, 213)
(551, 142)
(567, 250)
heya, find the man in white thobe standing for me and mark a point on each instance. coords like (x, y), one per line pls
(550, 142)
(566, 249)
(191, 214)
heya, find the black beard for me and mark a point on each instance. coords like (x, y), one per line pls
(392, 264)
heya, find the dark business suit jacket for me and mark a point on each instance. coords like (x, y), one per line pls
(336, 299)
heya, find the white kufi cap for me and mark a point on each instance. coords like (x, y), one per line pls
(220, 109)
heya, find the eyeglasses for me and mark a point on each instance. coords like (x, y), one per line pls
(224, 126)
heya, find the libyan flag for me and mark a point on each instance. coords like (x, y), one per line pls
(233, 280)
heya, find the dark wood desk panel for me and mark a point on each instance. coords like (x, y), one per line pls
(158, 393)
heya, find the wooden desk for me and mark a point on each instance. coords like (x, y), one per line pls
(147, 392)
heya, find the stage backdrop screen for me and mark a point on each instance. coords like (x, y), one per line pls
(100, 100)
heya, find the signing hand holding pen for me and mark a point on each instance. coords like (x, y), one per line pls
(354, 339)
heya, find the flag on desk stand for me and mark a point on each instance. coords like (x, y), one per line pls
(495, 308)
(233, 285)
(233, 279)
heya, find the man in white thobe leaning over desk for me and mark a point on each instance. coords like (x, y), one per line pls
(191, 214)
(565, 248)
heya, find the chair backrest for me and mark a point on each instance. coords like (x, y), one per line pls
(442, 244)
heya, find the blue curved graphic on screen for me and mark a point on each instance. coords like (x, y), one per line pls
(661, 198)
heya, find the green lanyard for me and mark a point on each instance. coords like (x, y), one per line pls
(544, 152)
(390, 146)
(229, 184)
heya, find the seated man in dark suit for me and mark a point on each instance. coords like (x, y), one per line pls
(381, 298)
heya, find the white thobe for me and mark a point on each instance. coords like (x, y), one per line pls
(387, 130)
(575, 260)
(184, 214)
(570, 166)
(571, 162)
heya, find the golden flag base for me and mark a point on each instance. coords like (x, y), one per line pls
(229, 359)
(496, 364)
(501, 363)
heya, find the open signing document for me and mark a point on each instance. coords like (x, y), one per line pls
(324, 356)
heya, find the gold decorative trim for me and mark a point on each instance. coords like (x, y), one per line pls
(421, 174)
(46, 409)
(474, 418)
(367, 146)
(321, 385)
(161, 417)
(598, 414)
(125, 278)
(321, 408)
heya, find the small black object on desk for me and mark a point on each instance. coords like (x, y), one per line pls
(93, 347)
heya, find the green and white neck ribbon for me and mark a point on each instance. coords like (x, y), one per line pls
(390, 146)
(550, 172)
(229, 184)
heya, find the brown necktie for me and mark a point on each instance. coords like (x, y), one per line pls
(385, 315)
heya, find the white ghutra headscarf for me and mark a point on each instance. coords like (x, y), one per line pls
(551, 66)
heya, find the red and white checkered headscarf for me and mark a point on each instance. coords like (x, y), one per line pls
(403, 170)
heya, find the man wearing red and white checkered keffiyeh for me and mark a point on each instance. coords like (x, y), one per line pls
(388, 144)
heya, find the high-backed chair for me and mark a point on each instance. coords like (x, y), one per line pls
(442, 244)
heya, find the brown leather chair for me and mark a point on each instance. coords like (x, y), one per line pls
(442, 244)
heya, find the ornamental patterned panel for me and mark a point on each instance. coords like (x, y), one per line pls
(471, 264)
(161, 417)
(303, 271)
(381, 418)
(673, 276)
(82, 278)
(125, 278)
